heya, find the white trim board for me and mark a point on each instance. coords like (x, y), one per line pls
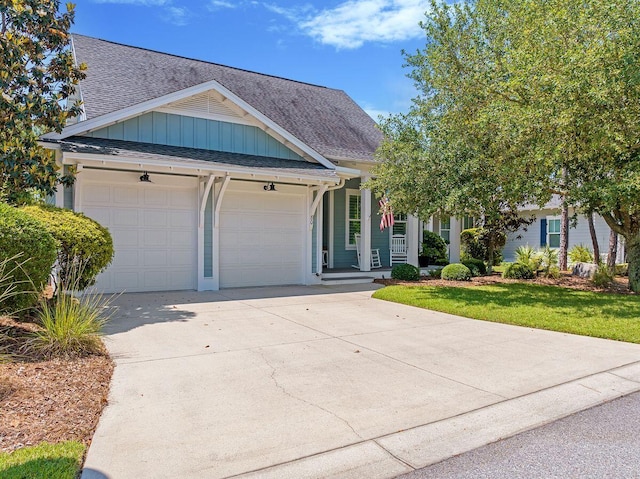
(225, 95)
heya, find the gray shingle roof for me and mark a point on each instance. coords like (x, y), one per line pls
(328, 120)
(193, 156)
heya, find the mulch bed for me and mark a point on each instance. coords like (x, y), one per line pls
(566, 280)
(54, 400)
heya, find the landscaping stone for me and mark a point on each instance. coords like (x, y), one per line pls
(584, 270)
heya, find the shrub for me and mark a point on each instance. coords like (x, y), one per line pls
(433, 247)
(549, 261)
(71, 326)
(477, 266)
(456, 272)
(474, 244)
(82, 240)
(602, 277)
(528, 256)
(435, 273)
(518, 271)
(580, 254)
(29, 252)
(442, 262)
(405, 272)
(622, 269)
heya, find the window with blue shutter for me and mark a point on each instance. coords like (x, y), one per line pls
(543, 232)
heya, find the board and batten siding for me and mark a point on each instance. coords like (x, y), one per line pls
(179, 130)
(345, 258)
(578, 235)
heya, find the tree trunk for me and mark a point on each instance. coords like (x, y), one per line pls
(564, 236)
(633, 256)
(594, 238)
(490, 255)
(613, 250)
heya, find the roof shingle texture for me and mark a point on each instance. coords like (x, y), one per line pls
(328, 120)
(193, 156)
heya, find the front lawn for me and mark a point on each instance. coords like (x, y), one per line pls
(53, 461)
(602, 315)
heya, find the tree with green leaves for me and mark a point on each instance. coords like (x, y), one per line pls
(37, 77)
(519, 100)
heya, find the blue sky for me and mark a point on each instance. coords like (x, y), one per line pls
(352, 45)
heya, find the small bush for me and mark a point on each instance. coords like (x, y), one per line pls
(71, 326)
(434, 248)
(456, 272)
(405, 272)
(622, 269)
(602, 277)
(528, 256)
(442, 262)
(549, 261)
(580, 254)
(29, 252)
(518, 271)
(83, 242)
(435, 273)
(474, 244)
(477, 266)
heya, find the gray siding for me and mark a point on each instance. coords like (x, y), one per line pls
(578, 235)
(178, 130)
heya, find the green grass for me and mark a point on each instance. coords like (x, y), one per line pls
(50, 461)
(601, 315)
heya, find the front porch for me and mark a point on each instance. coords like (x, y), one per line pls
(348, 242)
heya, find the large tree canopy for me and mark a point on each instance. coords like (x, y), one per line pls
(518, 100)
(37, 76)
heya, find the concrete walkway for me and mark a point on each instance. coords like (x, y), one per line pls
(307, 382)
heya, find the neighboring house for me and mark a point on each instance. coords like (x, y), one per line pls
(545, 230)
(209, 176)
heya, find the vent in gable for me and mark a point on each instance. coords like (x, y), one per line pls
(203, 105)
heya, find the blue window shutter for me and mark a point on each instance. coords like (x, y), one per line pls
(543, 232)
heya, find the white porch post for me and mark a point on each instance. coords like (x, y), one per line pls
(319, 234)
(454, 240)
(413, 240)
(365, 229)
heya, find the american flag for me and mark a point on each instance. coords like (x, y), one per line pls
(387, 214)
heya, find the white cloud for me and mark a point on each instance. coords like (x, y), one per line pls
(169, 12)
(354, 22)
(219, 4)
(177, 15)
(376, 114)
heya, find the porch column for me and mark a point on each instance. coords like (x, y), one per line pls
(454, 240)
(365, 229)
(413, 239)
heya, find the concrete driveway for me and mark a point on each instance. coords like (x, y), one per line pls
(297, 382)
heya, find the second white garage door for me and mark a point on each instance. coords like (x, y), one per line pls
(262, 236)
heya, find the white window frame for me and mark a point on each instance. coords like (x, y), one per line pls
(470, 220)
(549, 220)
(441, 229)
(347, 221)
(398, 219)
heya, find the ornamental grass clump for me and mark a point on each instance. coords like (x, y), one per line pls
(456, 272)
(71, 325)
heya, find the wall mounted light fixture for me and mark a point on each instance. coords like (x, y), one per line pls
(144, 178)
(270, 187)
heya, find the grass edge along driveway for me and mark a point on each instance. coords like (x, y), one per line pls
(53, 461)
(601, 315)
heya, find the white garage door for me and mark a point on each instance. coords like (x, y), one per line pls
(153, 226)
(262, 236)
